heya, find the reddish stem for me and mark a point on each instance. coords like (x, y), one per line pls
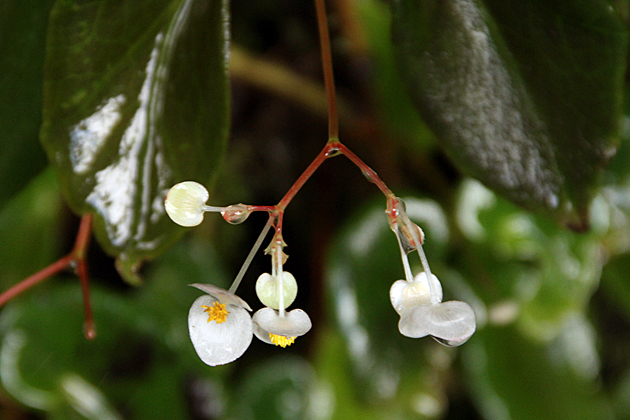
(278, 235)
(35, 279)
(333, 146)
(76, 258)
(329, 150)
(261, 208)
(79, 253)
(369, 173)
(316, 163)
(329, 80)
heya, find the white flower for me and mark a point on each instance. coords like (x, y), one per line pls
(280, 328)
(220, 327)
(451, 323)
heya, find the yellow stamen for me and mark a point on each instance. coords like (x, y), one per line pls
(281, 340)
(216, 312)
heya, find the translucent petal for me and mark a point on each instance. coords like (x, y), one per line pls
(409, 328)
(222, 295)
(406, 295)
(294, 324)
(261, 334)
(218, 344)
(267, 289)
(185, 203)
(453, 322)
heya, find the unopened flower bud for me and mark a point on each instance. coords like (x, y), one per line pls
(267, 289)
(236, 213)
(185, 203)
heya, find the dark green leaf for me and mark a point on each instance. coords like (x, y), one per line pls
(511, 377)
(30, 225)
(525, 95)
(516, 260)
(23, 38)
(136, 99)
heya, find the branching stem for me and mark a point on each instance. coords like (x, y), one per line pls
(75, 259)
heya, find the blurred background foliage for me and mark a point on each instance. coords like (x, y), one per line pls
(553, 305)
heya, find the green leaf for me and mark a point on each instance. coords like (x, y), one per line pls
(30, 225)
(539, 271)
(46, 363)
(23, 38)
(525, 95)
(136, 99)
(511, 377)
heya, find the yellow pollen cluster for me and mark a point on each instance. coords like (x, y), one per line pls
(281, 340)
(216, 312)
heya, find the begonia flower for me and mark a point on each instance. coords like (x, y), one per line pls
(452, 323)
(220, 325)
(272, 327)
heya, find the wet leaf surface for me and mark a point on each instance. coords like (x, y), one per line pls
(135, 100)
(525, 96)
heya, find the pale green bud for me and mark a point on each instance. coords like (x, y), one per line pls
(186, 202)
(267, 289)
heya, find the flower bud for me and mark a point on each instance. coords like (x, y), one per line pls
(185, 203)
(267, 289)
(236, 213)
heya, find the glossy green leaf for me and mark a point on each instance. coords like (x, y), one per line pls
(136, 99)
(30, 226)
(511, 377)
(362, 266)
(525, 265)
(23, 38)
(525, 95)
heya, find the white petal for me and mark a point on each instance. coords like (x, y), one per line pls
(267, 289)
(452, 321)
(294, 324)
(185, 203)
(218, 344)
(409, 328)
(261, 334)
(406, 295)
(222, 295)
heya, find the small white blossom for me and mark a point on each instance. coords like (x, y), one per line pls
(220, 326)
(452, 322)
(280, 329)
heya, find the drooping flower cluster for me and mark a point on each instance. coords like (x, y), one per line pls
(418, 300)
(219, 323)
